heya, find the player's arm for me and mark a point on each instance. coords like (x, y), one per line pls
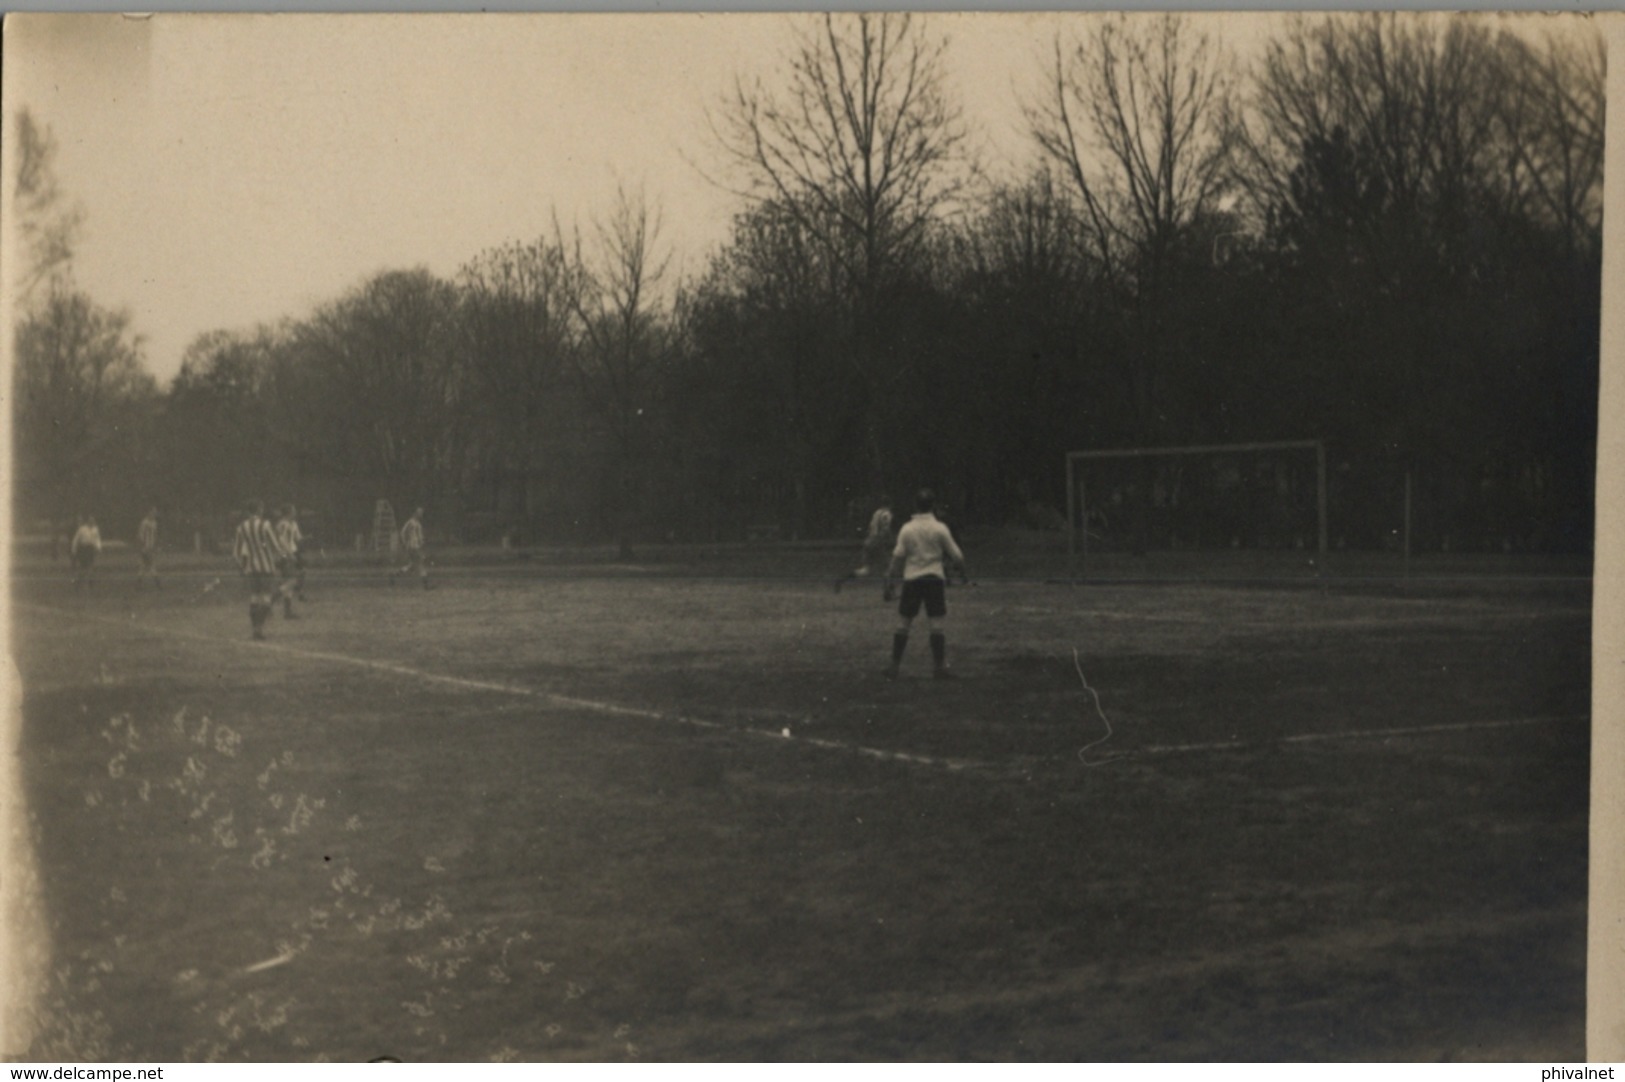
(894, 575)
(956, 557)
(894, 570)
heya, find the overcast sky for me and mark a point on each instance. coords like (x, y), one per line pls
(238, 169)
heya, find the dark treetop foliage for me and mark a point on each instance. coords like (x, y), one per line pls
(1384, 233)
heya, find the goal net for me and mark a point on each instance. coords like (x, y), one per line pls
(1244, 497)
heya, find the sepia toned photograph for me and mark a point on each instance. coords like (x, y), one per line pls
(865, 536)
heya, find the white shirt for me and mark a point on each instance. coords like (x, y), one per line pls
(88, 537)
(287, 532)
(923, 542)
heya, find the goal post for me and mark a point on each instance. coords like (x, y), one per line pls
(1077, 501)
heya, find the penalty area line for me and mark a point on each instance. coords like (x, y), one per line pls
(519, 690)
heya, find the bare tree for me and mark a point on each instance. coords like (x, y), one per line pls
(865, 149)
(49, 230)
(1552, 111)
(1027, 237)
(1422, 101)
(78, 373)
(1133, 117)
(521, 335)
(622, 336)
(220, 436)
(386, 356)
(768, 311)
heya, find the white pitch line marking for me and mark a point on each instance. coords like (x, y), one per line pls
(552, 698)
(270, 963)
(1359, 734)
(616, 710)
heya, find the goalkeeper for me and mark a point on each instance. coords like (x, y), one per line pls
(925, 550)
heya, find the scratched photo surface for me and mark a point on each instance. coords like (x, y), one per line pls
(866, 537)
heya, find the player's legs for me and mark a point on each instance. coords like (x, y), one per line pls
(907, 609)
(259, 603)
(936, 610)
(899, 645)
(284, 588)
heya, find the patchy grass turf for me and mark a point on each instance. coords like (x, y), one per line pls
(473, 823)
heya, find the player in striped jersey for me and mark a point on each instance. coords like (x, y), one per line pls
(412, 542)
(146, 536)
(292, 566)
(257, 551)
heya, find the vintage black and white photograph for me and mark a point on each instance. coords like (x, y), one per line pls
(862, 536)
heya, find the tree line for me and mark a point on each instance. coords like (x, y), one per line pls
(1383, 232)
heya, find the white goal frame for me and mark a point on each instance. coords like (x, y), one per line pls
(1077, 540)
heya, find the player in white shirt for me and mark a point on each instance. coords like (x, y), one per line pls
(412, 543)
(146, 536)
(924, 554)
(83, 550)
(876, 546)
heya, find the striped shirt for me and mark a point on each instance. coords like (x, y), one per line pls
(256, 547)
(412, 535)
(288, 535)
(880, 523)
(147, 534)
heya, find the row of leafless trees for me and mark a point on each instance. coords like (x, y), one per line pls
(1384, 233)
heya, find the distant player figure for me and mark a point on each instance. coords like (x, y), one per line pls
(412, 542)
(291, 569)
(146, 538)
(257, 552)
(877, 546)
(925, 550)
(83, 550)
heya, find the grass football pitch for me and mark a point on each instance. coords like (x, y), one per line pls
(564, 812)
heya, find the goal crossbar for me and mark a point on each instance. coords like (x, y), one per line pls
(1077, 541)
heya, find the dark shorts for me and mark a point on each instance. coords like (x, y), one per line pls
(147, 560)
(930, 591)
(260, 583)
(84, 559)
